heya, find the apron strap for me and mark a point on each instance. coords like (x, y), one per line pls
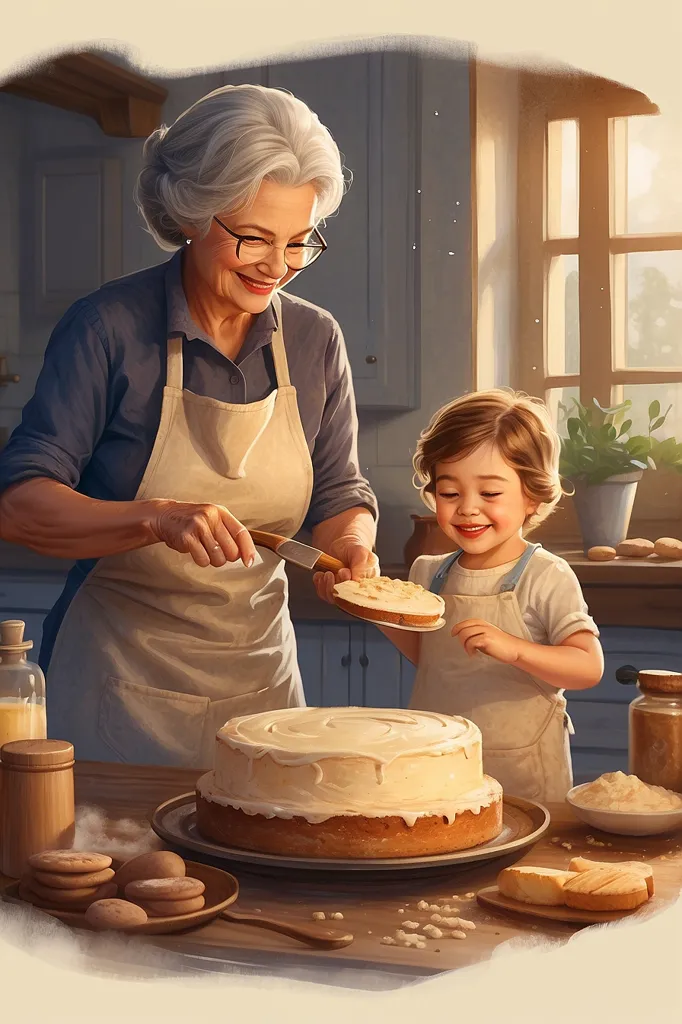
(508, 583)
(514, 575)
(174, 371)
(442, 574)
(279, 354)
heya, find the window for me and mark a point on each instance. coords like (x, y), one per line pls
(600, 238)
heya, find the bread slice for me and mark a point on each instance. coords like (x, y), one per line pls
(636, 867)
(541, 886)
(604, 889)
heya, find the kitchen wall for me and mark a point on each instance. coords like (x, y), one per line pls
(443, 364)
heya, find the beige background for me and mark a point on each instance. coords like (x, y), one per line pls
(606, 975)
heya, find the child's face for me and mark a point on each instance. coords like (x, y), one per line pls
(480, 503)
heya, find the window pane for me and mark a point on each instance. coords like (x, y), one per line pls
(648, 309)
(562, 179)
(559, 401)
(647, 173)
(642, 395)
(563, 324)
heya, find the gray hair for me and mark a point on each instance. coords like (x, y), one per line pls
(217, 154)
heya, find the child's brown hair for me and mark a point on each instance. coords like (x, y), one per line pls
(518, 425)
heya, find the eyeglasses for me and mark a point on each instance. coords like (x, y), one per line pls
(297, 255)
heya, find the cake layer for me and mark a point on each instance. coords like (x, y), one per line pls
(384, 594)
(350, 836)
(320, 762)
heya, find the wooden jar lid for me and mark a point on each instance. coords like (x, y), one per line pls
(660, 681)
(37, 754)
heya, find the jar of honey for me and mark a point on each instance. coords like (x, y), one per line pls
(655, 726)
(22, 687)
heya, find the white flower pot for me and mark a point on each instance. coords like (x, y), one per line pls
(604, 510)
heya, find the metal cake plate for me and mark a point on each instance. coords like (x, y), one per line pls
(524, 822)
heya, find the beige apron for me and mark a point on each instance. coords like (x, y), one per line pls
(522, 719)
(156, 653)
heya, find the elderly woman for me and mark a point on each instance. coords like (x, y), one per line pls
(178, 408)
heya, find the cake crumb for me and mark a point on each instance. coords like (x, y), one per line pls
(369, 933)
(454, 897)
(422, 905)
(436, 918)
(457, 934)
(467, 926)
(432, 931)
(400, 910)
(450, 922)
(410, 940)
(469, 895)
(337, 916)
(318, 916)
(434, 906)
(412, 925)
(388, 941)
(567, 846)
(556, 839)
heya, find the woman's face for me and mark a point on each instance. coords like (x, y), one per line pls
(279, 214)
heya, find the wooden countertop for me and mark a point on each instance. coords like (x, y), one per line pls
(370, 911)
(624, 592)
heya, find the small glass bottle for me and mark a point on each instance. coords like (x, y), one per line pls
(22, 688)
(655, 727)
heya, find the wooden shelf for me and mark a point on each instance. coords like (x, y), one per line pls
(124, 104)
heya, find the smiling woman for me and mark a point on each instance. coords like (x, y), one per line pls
(177, 409)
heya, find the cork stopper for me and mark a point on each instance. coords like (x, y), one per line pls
(37, 754)
(656, 680)
(12, 637)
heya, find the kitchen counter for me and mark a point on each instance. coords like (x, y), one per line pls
(369, 911)
(624, 592)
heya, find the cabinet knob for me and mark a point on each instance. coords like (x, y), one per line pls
(627, 675)
(364, 660)
(345, 660)
(370, 359)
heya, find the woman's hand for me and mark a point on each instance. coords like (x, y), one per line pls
(209, 533)
(360, 560)
(479, 635)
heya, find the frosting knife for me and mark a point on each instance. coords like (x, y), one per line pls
(302, 555)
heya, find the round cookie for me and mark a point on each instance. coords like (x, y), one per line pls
(56, 881)
(158, 864)
(102, 892)
(69, 862)
(173, 908)
(115, 914)
(65, 897)
(668, 547)
(635, 548)
(601, 553)
(164, 889)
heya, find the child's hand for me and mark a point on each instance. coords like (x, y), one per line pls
(478, 635)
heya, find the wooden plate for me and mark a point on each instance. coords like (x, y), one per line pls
(221, 891)
(524, 822)
(493, 898)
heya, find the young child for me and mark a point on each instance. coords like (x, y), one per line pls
(517, 630)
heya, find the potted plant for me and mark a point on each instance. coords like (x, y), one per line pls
(605, 463)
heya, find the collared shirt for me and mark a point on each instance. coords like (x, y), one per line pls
(93, 419)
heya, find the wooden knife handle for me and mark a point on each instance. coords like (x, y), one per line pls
(326, 563)
(322, 938)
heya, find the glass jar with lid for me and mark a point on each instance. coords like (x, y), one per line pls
(22, 687)
(655, 726)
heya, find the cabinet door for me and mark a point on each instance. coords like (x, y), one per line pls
(388, 677)
(324, 659)
(367, 279)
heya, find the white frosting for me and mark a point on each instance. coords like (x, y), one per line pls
(384, 594)
(317, 763)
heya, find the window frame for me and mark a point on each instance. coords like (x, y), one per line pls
(592, 102)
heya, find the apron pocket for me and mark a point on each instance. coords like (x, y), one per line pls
(520, 772)
(146, 725)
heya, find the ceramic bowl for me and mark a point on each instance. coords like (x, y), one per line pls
(624, 823)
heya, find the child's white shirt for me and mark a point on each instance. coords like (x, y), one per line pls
(549, 594)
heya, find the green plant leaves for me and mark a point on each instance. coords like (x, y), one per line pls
(595, 451)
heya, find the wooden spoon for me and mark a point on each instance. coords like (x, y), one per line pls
(312, 935)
